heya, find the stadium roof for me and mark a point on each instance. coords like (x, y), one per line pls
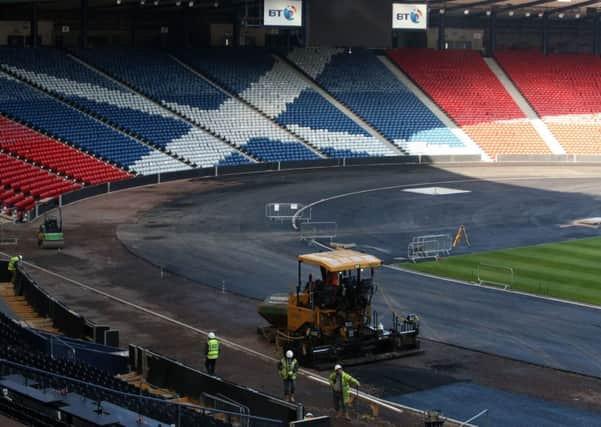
(456, 7)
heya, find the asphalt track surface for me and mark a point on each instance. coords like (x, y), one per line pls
(222, 238)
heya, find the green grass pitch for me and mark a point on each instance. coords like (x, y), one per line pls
(568, 270)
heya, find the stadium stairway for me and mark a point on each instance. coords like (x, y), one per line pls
(25, 312)
(526, 108)
(199, 102)
(23, 77)
(244, 101)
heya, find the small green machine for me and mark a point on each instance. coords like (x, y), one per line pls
(50, 235)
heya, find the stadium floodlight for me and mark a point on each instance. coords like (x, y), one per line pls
(511, 12)
(466, 12)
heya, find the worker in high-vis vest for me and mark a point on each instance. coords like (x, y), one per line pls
(341, 383)
(287, 368)
(13, 264)
(212, 353)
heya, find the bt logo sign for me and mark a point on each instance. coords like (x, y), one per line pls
(289, 12)
(414, 16)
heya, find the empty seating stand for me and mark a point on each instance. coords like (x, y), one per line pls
(160, 77)
(275, 88)
(21, 184)
(564, 90)
(461, 83)
(365, 85)
(61, 75)
(41, 150)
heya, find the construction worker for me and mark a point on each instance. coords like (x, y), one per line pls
(341, 383)
(288, 367)
(212, 353)
(13, 264)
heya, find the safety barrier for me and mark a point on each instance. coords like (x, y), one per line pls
(164, 372)
(429, 246)
(318, 230)
(281, 212)
(494, 274)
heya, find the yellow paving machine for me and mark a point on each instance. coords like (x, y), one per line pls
(329, 317)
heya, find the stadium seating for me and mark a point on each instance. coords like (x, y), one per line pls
(25, 143)
(161, 78)
(62, 76)
(52, 117)
(21, 184)
(21, 345)
(461, 83)
(364, 84)
(564, 90)
(276, 89)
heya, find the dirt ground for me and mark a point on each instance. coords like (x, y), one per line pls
(95, 257)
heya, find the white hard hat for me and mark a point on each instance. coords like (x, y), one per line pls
(211, 335)
(289, 354)
(337, 367)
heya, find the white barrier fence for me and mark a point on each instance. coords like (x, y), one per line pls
(285, 211)
(318, 230)
(493, 274)
(429, 246)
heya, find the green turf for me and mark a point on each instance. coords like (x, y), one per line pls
(568, 270)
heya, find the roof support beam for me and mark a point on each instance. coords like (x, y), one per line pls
(572, 6)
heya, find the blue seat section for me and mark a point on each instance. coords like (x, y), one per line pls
(52, 117)
(275, 88)
(235, 69)
(160, 77)
(88, 90)
(234, 159)
(310, 109)
(272, 151)
(155, 74)
(366, 86)
(45, 62)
